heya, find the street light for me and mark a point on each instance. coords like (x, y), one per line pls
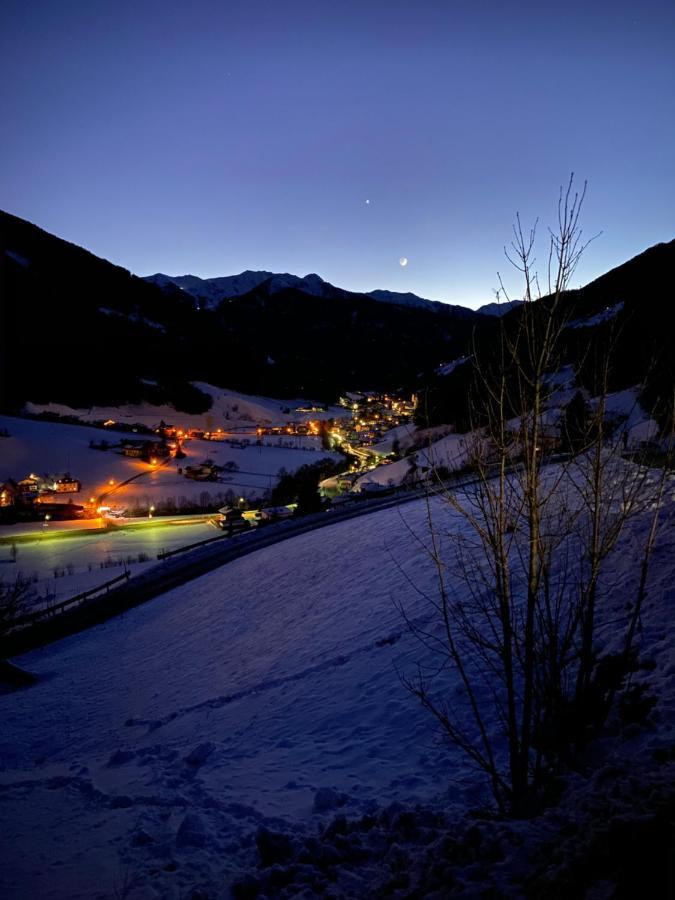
(151, 511)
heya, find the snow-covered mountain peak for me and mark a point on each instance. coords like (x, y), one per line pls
(498, 309)
(214, 290)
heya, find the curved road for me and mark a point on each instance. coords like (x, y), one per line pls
(184, 567)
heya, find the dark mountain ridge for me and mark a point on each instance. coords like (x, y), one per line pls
(79, 330)
(629, 311)
(210, 292)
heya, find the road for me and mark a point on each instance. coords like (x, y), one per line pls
(184, 567)
(63, 563)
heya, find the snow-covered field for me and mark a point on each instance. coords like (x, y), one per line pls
(267, 692)
(62, 568)
(229, 409)
(452, 451)
(54, 448)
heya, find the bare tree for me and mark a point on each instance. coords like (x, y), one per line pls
(520, 636)
(15, 595)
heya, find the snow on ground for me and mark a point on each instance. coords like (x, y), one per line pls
(64, 567)
(229, 409)
(277, 672)
(609, 312)
(49, 447)
(450, 367)
(451, 451)
(407, 436)
(267, 692)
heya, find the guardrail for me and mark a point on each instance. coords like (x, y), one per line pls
(58, 608)
(167, 554)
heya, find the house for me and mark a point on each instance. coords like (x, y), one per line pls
(134, 449)
(232, 520)
(66, 484)
(147, 450)
(29, 485)
(9, 493)
(206, 471)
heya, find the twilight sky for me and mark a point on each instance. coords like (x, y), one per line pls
(211, 137)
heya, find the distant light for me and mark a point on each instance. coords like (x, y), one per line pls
(367, 202)
(403, 261)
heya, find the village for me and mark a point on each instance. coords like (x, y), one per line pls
(136, 469)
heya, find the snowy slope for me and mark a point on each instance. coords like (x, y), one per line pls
(229, 409)
(281, 663)
(54, 448)
(154, 746)
(450, 451)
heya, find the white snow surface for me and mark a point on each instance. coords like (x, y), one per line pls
(609, 312)
(53, 447)
(451, 451)
(283, 664)
(229, 409)
(154, 745)
(449, 368)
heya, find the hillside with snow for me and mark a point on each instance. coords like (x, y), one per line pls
(228, 410)
(54, 448)
(153, 748)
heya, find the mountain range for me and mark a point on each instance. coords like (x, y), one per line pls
(210, 292)
(78, 330)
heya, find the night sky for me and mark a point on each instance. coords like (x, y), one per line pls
(212, 137)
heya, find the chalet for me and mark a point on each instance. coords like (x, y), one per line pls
(147, 450)
(134, 449)
(206, 471)
(29, 485)
(9, 493)
(159, 449)
(66, 485)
